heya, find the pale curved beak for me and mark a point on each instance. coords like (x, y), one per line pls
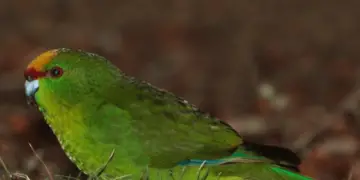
(31, 87)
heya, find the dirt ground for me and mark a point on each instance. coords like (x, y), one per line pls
(280, 72)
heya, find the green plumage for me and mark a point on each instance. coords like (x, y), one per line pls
(94, 109)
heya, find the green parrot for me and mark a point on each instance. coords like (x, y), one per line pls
(113, 126)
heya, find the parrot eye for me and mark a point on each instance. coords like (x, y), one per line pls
(56, 72)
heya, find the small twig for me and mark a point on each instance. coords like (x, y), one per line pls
(42, 162)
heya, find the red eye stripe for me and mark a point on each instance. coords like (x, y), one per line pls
(33, 74)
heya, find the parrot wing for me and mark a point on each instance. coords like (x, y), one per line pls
(173, 132)
(167, 125)
(245, 163)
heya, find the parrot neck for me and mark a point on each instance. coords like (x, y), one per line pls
(69, 129)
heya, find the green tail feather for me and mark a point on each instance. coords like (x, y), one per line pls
(254, 162)
(255, 168)
(258, 162)
(289, 174)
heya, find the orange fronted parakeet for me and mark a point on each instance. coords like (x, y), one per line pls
(114, 126)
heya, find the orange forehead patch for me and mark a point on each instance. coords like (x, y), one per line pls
(39, 62)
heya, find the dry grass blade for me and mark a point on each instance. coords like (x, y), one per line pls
(199, 177)
(4, 166)
(350, 175)
(219, 176)
(67, 177)
(171, 174)
(13, 175)
(42, 162)
(125, 177)
(103, 168)
(182, 172)
(17, 175)
(145, 175)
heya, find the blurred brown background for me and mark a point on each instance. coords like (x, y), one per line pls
(280, 72)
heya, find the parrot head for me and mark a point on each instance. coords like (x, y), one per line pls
(65, 77)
